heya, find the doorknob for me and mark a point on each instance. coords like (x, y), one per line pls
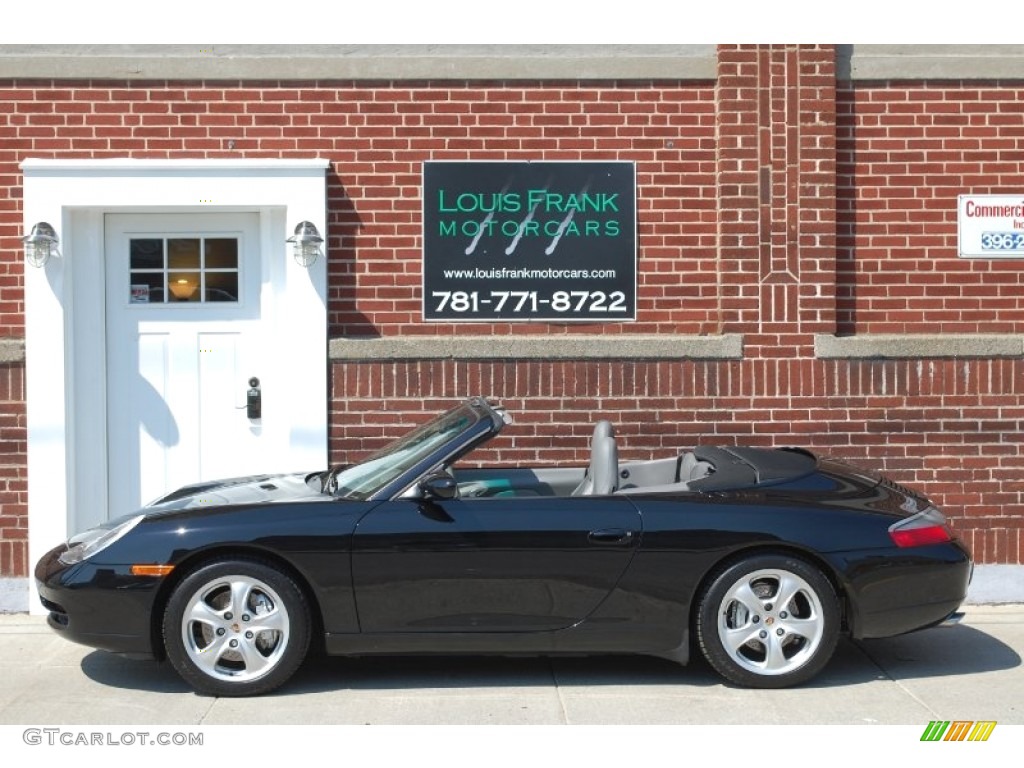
(254, 399)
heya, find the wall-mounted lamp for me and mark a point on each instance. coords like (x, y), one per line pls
(40, 244)
(306, 243)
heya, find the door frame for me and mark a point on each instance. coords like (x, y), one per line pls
(65, 346)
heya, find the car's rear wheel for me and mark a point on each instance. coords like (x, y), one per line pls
(768, 621)
(236, 627)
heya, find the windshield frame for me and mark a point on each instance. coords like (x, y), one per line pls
(435, 444)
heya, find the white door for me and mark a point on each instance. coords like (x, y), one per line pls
(185, 333)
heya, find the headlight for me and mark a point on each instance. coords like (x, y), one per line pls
(95, 540)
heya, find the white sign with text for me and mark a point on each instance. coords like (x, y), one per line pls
(990, 226)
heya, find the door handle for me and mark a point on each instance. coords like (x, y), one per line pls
(610, 536)
(254, 399)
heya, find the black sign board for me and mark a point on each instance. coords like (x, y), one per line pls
(518, 241)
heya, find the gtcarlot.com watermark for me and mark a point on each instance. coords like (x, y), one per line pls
(71, 738)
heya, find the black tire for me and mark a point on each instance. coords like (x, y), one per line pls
(236, 627)
(768, 621)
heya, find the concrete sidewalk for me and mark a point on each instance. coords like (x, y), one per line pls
(969, 672)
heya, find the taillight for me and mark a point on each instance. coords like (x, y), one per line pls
(920, 530)
(920, 537)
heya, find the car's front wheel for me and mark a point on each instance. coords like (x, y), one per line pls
(236, 627)
(768, 621)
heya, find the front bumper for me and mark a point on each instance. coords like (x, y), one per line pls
(99, 605)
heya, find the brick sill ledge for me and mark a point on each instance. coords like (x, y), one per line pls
(575, 347)
(630, 347)
(903, 346)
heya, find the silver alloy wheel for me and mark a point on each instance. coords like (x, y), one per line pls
(771, 622)
(235, 628)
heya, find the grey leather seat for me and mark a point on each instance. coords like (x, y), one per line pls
(691, 469)
(603, 428)
(602, 475)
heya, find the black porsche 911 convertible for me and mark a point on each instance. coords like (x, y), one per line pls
(759, 558)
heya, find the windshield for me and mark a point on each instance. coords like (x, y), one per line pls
(373, 474)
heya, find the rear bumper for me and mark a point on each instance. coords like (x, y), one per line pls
(896, 591)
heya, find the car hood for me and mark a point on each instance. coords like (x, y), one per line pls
(255, 489)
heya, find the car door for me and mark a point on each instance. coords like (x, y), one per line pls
(490, 564)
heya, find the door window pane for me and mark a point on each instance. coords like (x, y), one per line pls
(146, 253)
(147, 288)
(183, 270)
(221, 253)
(221, 286)
(183, 253)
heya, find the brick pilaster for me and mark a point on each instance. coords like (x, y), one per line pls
(777, 192)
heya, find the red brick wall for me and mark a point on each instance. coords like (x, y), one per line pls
(13, 473)
(777, 194)
(377, 137)
(386, 132)
(905, 151)
(771, 204)
(953, 428)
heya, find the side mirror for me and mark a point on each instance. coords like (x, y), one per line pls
(440, 486)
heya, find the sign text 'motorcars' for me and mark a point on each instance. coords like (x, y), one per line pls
(529, 241)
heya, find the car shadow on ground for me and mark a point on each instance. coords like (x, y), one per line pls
(940, 652)
(945, 652)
